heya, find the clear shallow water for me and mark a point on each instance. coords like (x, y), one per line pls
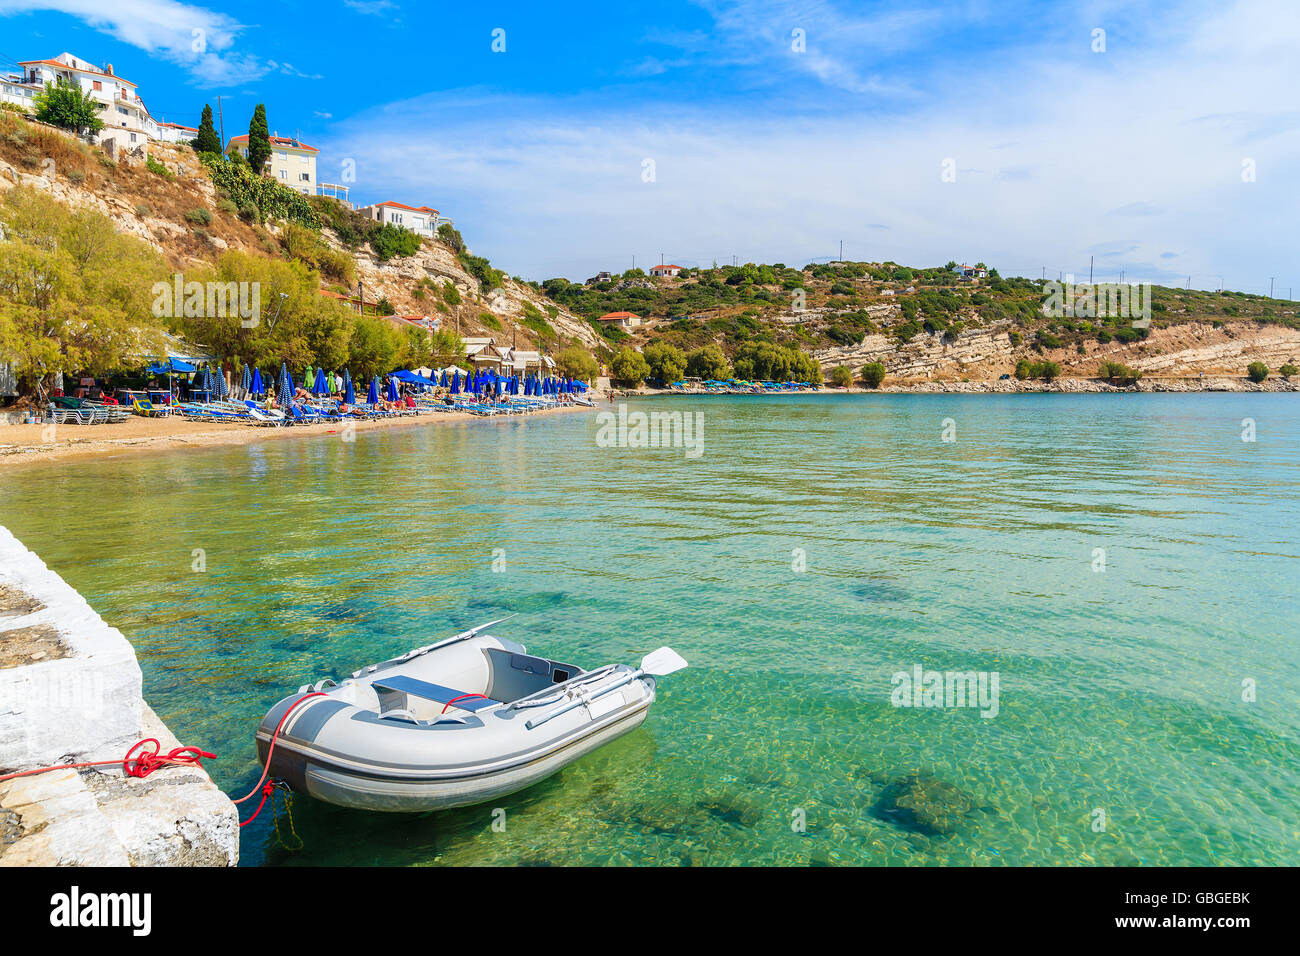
(1119, 690)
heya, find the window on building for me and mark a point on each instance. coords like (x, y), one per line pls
(305, 177)
(133, 137)
(95, 84)
(284, 174)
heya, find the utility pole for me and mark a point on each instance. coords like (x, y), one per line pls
(1090, 258)
(1270, 286)
(361, 295)
(841, 250)
(221, 117)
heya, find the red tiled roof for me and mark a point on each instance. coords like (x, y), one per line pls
(402, 205)
(669, 266)
(80, 69)
(611, 316)
(192, 129)
(288, 141)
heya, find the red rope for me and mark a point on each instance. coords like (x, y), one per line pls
(271, 751)
(147, 761)
(461, 697)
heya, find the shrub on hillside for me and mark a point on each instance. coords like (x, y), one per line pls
(393, 242)
(841, 377)
(1287, 370)
(873, 374)
(199, 217)
(1257, 371)
(270, 200)
(577, 362)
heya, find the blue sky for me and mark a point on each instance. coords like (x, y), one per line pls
(765, 130)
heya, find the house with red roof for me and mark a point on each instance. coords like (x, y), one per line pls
(421, 220)
(622, 320)
(127, 123)
(665, 270)
(292, 162)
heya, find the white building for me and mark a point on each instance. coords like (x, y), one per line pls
(292, 162)
(126, 119)
(421, 220)
(665, 270)
(175, 133)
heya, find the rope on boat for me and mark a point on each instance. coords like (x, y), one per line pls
(266, 787)
(148, 760)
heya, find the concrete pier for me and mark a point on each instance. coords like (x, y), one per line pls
(70, 692)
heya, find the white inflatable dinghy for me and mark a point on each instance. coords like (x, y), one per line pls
(465, 720)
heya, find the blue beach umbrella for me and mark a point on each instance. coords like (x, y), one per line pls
(349, 395)
(372, 396)
(392, 389)
(319, 386)
(222, 390)
(256, 387)
(246, 379)
(284, 392)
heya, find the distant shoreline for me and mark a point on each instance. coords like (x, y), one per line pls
(1072, 386)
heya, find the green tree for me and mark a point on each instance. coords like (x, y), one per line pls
(577, 362)
(451, 237)
(74, 293)
(373, 348)
(873, 374)
(629, 367)
(707, 362)
(667, 362)
(207, 140)
(1288, 370)
(1257, 371)
(259, 140)
(841, 377)
(68, 107)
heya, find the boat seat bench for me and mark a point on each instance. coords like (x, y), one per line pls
(435, 692)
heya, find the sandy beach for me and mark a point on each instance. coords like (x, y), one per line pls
(37, 444)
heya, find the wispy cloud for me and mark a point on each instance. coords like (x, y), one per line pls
(1046, 158)
(204, 42)
(375, 8)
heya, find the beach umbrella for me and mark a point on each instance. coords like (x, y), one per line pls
(392, 389)
(443, 381)
(256, 387)
(349, 396)
(319, 386)
(455, 383)
(308, 378)
(284, 393)
(372, 396)
(246, 379)
(222, 389)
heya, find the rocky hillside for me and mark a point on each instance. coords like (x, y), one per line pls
(173, 206)
(925, 325)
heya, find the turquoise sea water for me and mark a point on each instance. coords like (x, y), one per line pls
(1120, 690)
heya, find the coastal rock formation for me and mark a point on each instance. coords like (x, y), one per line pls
(984, 352)
(70, 692)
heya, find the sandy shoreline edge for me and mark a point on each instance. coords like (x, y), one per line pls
(29, 444)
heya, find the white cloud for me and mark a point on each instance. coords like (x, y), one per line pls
(1058, 157)
(204, 42)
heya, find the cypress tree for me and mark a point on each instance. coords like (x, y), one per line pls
(259, 140)
(207, 140)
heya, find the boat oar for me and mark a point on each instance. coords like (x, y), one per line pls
(657, 664)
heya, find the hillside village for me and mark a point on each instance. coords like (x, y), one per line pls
(835, 321)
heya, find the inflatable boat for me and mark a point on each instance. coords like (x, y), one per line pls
(465, 720)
